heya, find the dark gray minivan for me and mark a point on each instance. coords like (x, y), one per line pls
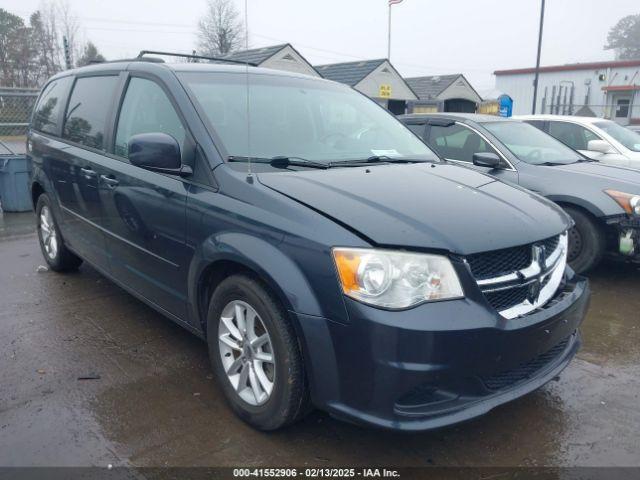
(325, 254)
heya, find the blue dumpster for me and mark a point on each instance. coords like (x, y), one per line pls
(14, 181)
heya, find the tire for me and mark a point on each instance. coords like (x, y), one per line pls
(288, 400)
(56, 254)
(587, 241)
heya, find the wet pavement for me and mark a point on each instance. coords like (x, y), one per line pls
(155, 402)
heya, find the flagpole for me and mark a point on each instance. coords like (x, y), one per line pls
(389, 40)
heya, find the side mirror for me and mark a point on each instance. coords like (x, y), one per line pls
(487, 159)
(157, 152)
(599, 146)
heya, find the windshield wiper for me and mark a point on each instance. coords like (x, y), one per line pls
(378, 159)
(281, 161)
(550, 164)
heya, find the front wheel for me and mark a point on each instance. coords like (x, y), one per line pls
(56, 254)
(255, 354)
(586, 241)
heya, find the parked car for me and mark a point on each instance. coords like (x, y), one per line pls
(329, 258)
(604, 201)
(597, 138)
(634, 128)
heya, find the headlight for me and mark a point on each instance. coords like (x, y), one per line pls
(393, 279)
(628, 201)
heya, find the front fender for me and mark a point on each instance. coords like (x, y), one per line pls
(592, 208)
(270, 263)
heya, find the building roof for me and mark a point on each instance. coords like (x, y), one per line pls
(572, 66)
(350, 73)
(256, 55)
(427, 88)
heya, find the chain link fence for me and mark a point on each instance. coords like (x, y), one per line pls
(16, 105)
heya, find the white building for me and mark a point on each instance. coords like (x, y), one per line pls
(279, 57)
(377, 79)
(443, 93)
(603, 89)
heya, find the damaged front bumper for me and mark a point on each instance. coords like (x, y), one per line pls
(624, 236)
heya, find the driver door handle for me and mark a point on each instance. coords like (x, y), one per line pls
(110, 181)
(88, 173)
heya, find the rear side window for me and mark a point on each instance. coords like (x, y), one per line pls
(536, 123)
(87, 110)
(570, 134)
(457, 143)
(146, 109)
(46, 116)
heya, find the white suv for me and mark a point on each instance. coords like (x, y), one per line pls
(597, 138)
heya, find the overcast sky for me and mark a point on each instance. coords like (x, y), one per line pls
(474, 37)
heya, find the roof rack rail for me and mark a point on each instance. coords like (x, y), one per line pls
(198, 57)
(120, 60)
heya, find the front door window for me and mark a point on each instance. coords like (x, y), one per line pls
(455, 142)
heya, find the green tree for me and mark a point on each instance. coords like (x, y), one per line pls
(11, 34)
(90, 54)
(624, 38)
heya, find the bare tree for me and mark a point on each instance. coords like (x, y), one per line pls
(220, 31)
(45, 41)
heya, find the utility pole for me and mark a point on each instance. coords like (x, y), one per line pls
(67, 53)
(391, 2)
(389, 39)
(537, 74)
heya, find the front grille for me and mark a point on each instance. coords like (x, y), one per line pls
(488, 268)
(526, 370)
(503, 299)
(550, 244)
(499, 262)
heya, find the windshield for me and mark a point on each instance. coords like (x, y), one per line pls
(532, 145)
(626, 137)
(301, 118)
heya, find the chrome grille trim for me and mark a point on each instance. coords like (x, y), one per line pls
(543, 276)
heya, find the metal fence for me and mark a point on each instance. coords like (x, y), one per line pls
(16, 105)
(624, 114)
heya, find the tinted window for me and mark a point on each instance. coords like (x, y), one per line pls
(536, 123)
(417, 129)
(456, 142)
(146, 109)
(531, 145)
(47, 112)
(87, 110)
(576, 136)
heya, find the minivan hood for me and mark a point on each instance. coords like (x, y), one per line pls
(441, 206)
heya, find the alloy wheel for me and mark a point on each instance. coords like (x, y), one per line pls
(48, 233)
(246, 352)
